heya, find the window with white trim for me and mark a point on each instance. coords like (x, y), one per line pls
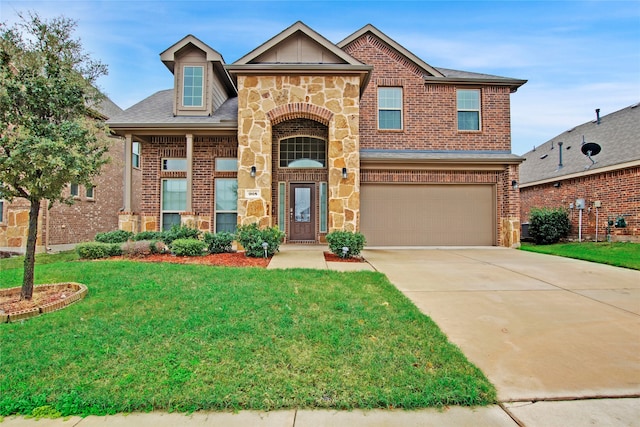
(192, 86)
(1, 211)
(90, 192)
(226, 195)
(74, 190)
(135, 154)
(174, 201)
(390, 108)
(468, 101)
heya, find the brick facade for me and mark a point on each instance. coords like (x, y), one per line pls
(429, 110)
(616, 190)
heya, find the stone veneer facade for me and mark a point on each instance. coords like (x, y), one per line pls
(265, 101)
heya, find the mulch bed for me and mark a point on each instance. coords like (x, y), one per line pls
(234, 259)
(331, 257)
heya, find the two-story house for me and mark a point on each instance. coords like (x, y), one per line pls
(312, 136)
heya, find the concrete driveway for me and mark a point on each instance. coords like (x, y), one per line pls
(540, 327)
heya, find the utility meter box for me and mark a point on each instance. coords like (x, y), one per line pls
(597, 204)
(580, 204)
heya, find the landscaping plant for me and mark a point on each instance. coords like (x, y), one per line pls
(547, 225)
(353, 241)
(117, 236)
(251, 237)
(179, 232)
(188, 247)
(219, 243)
(96, 250)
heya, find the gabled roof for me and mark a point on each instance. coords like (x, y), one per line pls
(393, 44)
(168, 57)
(435, 74)
(289, 32)
(340, 63)
(618, 135)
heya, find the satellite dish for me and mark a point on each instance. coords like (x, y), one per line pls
(590, 149)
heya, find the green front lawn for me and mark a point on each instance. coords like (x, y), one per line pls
(184, 338)
(619, 254)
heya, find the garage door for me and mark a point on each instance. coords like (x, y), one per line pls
(428, 215)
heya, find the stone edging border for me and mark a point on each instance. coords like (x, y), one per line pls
(80, 292)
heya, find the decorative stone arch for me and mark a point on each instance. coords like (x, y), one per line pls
(299, 110)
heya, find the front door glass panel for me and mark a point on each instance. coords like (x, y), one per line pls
(302, 209)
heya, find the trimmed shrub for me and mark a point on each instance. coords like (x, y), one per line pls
(179, 232)
(148, 235)
(251, 238)
(143, 247)
(346, 239)
(188, 247)
(117, 236)
(96, 250)
(219, 243)
(547, 226)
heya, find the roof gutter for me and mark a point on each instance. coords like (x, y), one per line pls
(634, 163)
(514, 84)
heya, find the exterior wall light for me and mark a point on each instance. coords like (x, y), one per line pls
(514, 184)
(344, 173)
(253, 171)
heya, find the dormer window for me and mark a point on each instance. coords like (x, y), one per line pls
(193, 84)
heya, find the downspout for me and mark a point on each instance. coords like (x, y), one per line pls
(46, 229)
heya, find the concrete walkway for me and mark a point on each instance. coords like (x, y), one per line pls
(559, 338)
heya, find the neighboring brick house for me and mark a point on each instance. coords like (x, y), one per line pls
(311, 137)
(558, 174)
(95, 209)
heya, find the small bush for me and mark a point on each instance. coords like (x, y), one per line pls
(179, 232)
(251, 238)
(219, 243)
(117, 236)
(148, 235)
(96, 250)
(143, 247)
(188, 247)
(158, 247)
(547, 226)
(346, 239)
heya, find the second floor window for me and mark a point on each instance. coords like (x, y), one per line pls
(390, 108)
(468, 109)
(192, 86)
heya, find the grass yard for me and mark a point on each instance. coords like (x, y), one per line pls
(187, 337)
(620, 254)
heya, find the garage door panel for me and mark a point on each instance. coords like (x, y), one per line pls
(428, 215)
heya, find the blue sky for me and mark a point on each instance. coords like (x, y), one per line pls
(576, 55)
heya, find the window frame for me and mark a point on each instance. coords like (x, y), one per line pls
(218, 164)
(202, 87)
(1, 211)
(91, 188)
(477, 110)
(294, 141)
(164, 211)
(399, 108)
(215, 202)
(75, 194)
(164, 164)
(135, 154)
